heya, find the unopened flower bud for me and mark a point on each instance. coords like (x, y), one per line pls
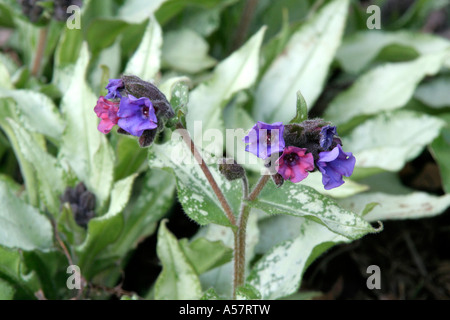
(31, 9)
(82, 203)
(147, 138)
(60, 8)
(277, 179)
(140, 88)
(231, 169)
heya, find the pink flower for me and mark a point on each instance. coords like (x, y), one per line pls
(294, 164)
(107, 111)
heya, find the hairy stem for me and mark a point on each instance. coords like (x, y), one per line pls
(239, 236)
(198, 158)
(39, 52)
(244, 24)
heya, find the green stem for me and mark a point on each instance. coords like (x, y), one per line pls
(240, 234)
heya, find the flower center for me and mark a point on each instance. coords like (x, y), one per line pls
(145, 111)
(291, 159)
(269, 138)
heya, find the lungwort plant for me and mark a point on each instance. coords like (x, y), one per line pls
(152, 102)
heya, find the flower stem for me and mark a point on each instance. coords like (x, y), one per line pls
(223, 201)
(39, 52)
(239, 236)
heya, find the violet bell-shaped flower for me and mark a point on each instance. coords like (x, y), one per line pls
(334, 165)
(136, 115)
(114, 86)
(326, 136)
(264, 139)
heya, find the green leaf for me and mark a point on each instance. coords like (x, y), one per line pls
(440, 150)
(25, 40)
(36, 111)
(247, 292)
(369, 207)
(11, 184)
(67, 225)
(302, 201)
(106, 229)
(196, 195)
(186, 51)
(6, 291)
(155, 198)
(146, 60)
(400, 136)
(102, 33)
(5, 78)
(302, 109)
(176, 91)
(170, 9)
(136, 11)
(169, 86)
(50, 175)
(107, 66)
(358, 50)
(435, 93)
(392, 207)
(130, 158)
(235, 73)
(22, 226)
(8, 110)
(303, 65)
(86, 149)
(66, 55)
(386, 87)
(210, 294)
(348, 189)
(51, 270)
(298, 242)
(178, 279)
(14, 271)
(205, 255)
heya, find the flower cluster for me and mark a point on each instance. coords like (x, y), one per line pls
(137, 107)
(82, 203)
(297, 149)
(38, 11)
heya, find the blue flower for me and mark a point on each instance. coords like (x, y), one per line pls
(136, 115)
(114, 86)
(326, 136)
(334, 164)
(265, 139)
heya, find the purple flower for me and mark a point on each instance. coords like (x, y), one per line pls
(326, 136)
(265, 139)
(136, 115)
(114, 86)
(107, 111)
(334, 164)
(294, 164)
